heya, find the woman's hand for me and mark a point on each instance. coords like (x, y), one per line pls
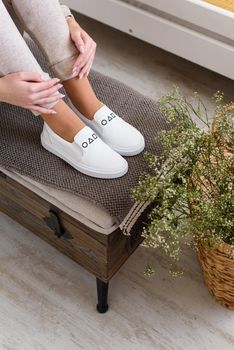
(30, 91)
(85, 45)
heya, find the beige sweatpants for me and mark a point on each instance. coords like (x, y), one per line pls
(45, 22)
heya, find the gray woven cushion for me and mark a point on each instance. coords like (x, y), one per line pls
(21, 150)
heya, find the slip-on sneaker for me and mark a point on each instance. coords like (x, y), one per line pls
(115, 132)
(87, 153)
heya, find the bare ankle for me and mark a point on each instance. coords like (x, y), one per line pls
(83, 96)
(91, 110)
(65, 123)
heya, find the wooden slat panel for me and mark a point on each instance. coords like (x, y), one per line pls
(38, 205)
(78, 253)
(119, 253)
(102, 255)
(81, 239)
(24, 207)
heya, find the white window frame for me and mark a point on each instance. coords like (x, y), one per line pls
(192, 29)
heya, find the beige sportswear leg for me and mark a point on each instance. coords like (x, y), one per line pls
(15, 55)
(45, 22)
(8, 5)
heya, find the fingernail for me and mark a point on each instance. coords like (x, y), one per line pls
(80, 76)
(59, 86)
(82, 49)
(74, 74)
(57, 80)
(53, 112)
(74, 70)
(62, 95)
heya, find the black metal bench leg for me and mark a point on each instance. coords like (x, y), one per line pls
(102, 293)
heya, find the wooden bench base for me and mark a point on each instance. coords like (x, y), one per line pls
(100, 254)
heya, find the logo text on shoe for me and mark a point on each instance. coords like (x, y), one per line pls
(90, 140)
(108, 119)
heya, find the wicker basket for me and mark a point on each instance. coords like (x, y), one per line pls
(218, 270)
(218, 263)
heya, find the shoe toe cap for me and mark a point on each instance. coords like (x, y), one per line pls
(107, 162)
(130, 143)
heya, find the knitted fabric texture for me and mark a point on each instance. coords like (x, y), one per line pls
(21, 149)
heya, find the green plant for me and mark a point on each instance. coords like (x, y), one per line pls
(191, 184)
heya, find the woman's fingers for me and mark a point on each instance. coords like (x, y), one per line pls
(81, 61)
(50, 99)
(77, 38)
(84, 71)
(30, 76)
(88, 72)
(44, 85)
(86, 65)
(41, 110)
(23, 89)
(47, 93)
(83, 58)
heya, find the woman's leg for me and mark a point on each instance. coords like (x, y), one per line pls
(15, 56)
(65, 123)
(88, 153)
(82, 96)
(45, 22)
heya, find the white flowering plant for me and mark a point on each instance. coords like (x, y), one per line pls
(191, 184)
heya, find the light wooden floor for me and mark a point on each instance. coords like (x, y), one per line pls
(48, 301)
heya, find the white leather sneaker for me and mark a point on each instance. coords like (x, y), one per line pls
(115, 132)
(87, 153)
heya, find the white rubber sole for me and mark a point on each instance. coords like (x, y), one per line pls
(83, 169)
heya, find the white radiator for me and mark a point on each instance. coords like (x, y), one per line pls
(192, 29)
